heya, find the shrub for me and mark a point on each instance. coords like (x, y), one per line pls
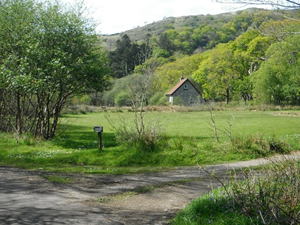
(260, 145)
(149, 139)
(213, 208)
(270, 195)
(121, 99)
(158, 99)
(143, 135)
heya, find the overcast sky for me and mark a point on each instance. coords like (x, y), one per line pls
(117, 16)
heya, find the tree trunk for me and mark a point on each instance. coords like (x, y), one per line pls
(19, 127)
(227, 95)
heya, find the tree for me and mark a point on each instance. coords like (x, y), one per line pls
(167, 75)
(278, 79)
(217, 74)
(226, 71)
(249, 52)
(48, 54)
(128, 55)
(143, 134)
(165, 41)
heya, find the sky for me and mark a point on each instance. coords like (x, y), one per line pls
(115, 16)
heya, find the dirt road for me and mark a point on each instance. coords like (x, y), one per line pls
(26, 197)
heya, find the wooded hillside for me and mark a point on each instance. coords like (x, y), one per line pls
(225, 54)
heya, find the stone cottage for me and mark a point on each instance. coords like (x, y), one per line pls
(185, 93)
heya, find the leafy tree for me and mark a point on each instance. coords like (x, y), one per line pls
(48, 55)
(217, 73)
(230, 29)
(226, 71)
(278, 79)
(184, 41)
(249, 49)
(166, 43)
(169, 74)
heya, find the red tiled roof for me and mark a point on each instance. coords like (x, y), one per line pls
(177, 86)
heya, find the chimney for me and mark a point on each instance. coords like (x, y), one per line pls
(181, 78)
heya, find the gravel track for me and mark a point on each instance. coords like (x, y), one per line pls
(26, 197)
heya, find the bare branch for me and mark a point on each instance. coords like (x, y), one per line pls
(287, 4)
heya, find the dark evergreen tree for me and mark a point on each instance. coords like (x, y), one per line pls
(127, 56)
(165, 43)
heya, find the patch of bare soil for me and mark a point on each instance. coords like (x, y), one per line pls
(26, 197)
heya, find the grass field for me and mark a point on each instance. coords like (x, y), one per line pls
(189, 141)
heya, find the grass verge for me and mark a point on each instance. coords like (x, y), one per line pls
(267, 196)
(188, 141)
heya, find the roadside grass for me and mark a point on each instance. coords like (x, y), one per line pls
(189, 141)
(266, 196)
(213, 208)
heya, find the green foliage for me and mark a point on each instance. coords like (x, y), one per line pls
(165, 41)
(122, 99)
(217, 74)
(161, 53)
(167, 75)
(273, 198)
(50, 55)
(223, 53)
(225, 71)
(150, 140)
(213, 208)
(127, 55)
(260, 146)
(158, 98)
(146, 136)
(277, 81)
(117, 94)
(265, 196)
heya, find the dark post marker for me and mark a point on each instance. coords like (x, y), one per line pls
(99, 130)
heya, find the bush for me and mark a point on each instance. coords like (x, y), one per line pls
(266, 196)
(260, 145)
(121, 99)
(271, 195)
(158, 99)
(213, 208)
(149, 139)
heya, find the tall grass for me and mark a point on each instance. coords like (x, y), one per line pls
(213, 208)
(266, 196)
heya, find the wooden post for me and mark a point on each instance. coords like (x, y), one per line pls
(99, 130)
(100, 140)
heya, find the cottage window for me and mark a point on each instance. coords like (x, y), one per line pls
(185, 87)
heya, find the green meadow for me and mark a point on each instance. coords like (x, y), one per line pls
(189, 140)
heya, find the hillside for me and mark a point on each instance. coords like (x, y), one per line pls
(157, 28)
